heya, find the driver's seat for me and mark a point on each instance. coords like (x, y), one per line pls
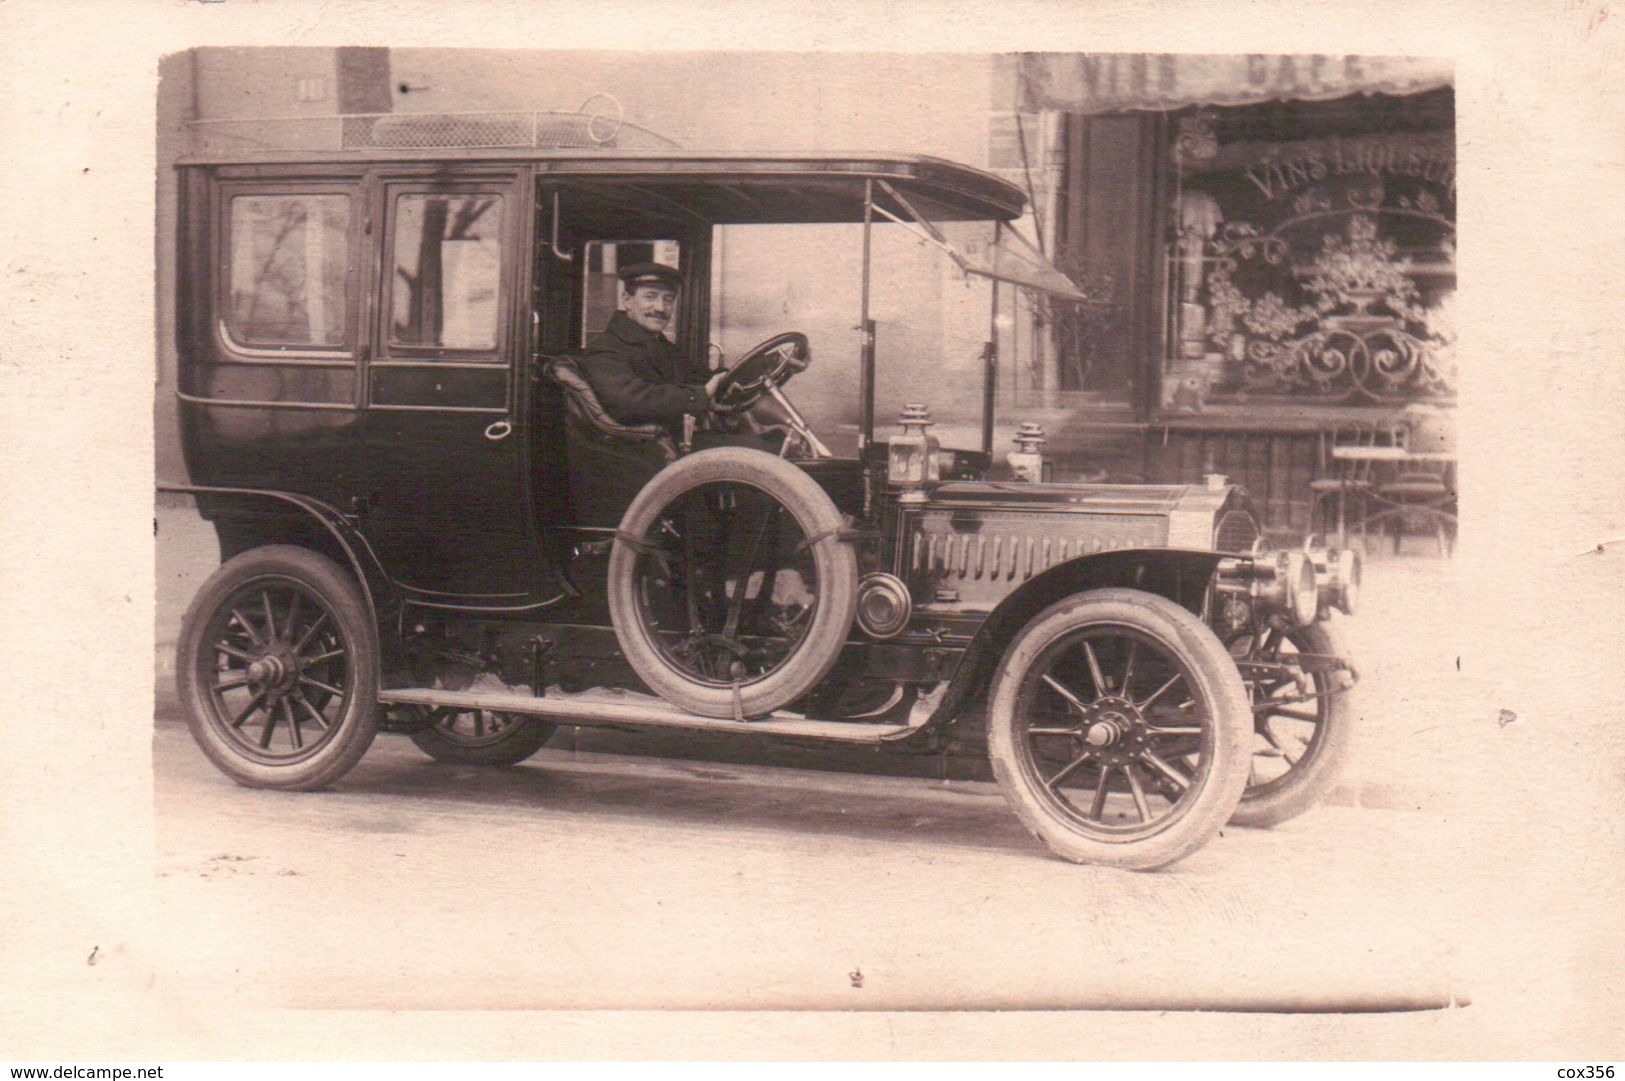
(608, 462)
(584, 408)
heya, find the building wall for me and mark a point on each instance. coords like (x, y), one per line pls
(926, 104)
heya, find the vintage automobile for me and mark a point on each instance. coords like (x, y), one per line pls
(385, 418)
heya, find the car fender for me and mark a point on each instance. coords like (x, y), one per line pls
(288, 517)
(1181, 575)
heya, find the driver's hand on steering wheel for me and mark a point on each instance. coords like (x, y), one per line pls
(711, 384)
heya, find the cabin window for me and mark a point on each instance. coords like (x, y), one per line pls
(447, 271)
(289, 257)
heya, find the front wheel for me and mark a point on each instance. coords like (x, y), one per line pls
(1301, 722)
(1118, 730)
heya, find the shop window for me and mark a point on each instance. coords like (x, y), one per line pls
(289, 257)
(447, 271)
(1311, 253)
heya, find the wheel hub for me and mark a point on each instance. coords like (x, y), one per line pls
(1104, 732)
(274, 671)
(1114, 730)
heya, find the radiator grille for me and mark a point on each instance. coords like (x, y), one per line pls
(1236, 532)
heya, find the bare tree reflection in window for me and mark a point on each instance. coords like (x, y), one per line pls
(289, 262)
(1079, 330)
(447, 262)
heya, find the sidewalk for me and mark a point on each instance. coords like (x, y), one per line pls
(1404, 643)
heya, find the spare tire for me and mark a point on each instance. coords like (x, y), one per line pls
(708, 583)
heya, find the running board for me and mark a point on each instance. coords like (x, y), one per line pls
(590, 710)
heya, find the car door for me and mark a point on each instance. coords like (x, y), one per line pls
(447, 509)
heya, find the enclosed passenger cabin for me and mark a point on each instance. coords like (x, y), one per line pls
(364, 331)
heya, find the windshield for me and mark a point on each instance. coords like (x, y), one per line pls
(931, 322)
(984, 249)
(934, 284)
(936, 368)
(1010, 300)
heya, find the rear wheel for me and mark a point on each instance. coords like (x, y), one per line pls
(481, 737)
(1118, 728)
(278, 669)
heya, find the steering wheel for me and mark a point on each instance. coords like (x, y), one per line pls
(771, 363)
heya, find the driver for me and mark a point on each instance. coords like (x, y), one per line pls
(639, 375)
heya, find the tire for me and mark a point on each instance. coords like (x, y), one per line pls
(478, 737)
(684, 658)
(1272, 795)
(278, 669)
(1043, 745)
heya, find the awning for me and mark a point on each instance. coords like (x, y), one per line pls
(1113, 82)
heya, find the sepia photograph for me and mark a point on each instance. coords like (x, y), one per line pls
(1022, 489)
(924, 547)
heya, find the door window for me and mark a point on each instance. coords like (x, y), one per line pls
(446, 271)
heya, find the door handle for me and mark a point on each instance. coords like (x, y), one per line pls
(498, 431)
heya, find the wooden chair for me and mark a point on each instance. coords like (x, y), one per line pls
(1419, 491)
(1346, 485)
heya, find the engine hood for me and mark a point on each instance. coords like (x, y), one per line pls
(1188, 511)
(980, 539)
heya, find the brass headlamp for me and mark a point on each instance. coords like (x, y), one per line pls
(1278, 581)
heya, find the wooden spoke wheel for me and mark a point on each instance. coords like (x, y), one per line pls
(481, 737)
(1301, 722)
(278, 669)
(730, 588)
(1118, 728)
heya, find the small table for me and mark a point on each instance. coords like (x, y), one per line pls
(1349, 456)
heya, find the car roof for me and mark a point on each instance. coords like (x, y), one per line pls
(722, 187)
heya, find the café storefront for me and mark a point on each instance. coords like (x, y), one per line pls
(1270, 245)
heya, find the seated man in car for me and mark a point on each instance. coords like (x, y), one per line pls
(639, 375)
(639, 378)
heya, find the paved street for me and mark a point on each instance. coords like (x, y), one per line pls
(590, 881)
(622, 872)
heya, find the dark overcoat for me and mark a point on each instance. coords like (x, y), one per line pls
(640, 377)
